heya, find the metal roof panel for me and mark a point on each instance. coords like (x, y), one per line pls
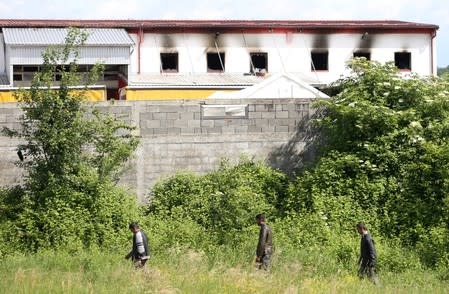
(207, 24)
(56, 36)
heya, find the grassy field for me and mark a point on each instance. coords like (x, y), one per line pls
(191, 272)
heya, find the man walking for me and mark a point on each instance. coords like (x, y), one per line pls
(265, 244)
(367, 260)
(139, 253)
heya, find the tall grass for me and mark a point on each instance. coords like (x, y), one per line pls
(187, 271)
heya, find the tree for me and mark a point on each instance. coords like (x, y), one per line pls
(73, 155)
(386, 153)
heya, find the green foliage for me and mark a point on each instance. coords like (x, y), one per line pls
(442, 70)
(387, 143)
(73, 155)
(223, 202)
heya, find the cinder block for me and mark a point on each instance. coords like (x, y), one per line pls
(268, 129)
(193, 123)
(228, 130)
(151, 124)
(262, 122)
(281, 114)
(172, 115)
(219, 123)
(146, 132)
(170, 108)
(173, 131)
(281, 129)
(160, 115)
(186, 115)
(254, 114)
(186, 131)
(180, 123)
(207, 123)
(254, 129)
(241, 129)
(215, 130)
(160, 131)
(268, 114)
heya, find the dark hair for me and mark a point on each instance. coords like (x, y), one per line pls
(361, 226)
(260, 216)
(133, 225)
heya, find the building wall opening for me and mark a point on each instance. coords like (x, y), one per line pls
(259, 62)
(320, 60)
(215, 62)
(169, 62)
(24, 74)
(365, 54)
(403, 60)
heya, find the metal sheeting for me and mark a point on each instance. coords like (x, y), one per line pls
(88, 55)
(194, 80)
(4, 80)
(56, 36)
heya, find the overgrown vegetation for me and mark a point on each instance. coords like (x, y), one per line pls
(71, 154)
(384, 161)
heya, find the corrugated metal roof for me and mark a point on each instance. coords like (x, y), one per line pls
(206, 24)
(193, 80)
(56, 36)
(203, 80)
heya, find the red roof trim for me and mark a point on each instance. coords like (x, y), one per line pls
(224, 24)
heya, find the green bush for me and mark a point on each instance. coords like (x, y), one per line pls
(223, 202)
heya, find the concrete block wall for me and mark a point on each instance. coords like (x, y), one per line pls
(178, 136)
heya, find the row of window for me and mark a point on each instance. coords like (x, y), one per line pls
(215, 63)
(26, 72)
(259, 61)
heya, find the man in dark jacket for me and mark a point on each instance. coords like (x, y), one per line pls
(265, 244)
(367, 260)
(139, 253)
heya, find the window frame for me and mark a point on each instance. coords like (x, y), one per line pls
(313, 66)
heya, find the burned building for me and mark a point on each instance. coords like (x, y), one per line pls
(175, 59)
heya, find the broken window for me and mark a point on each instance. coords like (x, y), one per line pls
(224, 111)
(259, 62)
(320, 60)
(364, 54)
(403, 60)
(215, 62)
(169, 62)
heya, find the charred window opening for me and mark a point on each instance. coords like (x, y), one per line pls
(320, 60)
(403, 60)
(215, 62)
(360, 54)
(169, 62)
(259, 62)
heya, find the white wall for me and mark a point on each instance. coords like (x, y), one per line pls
(286, 51)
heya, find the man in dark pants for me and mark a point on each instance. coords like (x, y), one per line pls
(265, 244)
(367, 260)
(139, 252)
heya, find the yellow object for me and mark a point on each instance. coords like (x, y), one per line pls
(171, 94)
(6, 96)
(95, 94)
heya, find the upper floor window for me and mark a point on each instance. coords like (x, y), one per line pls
(364, 54)
(259, 62)
(320, 60)
(403, 60)
(169, 62)
(215, 62)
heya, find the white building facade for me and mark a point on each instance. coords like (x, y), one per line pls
(169, 58)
